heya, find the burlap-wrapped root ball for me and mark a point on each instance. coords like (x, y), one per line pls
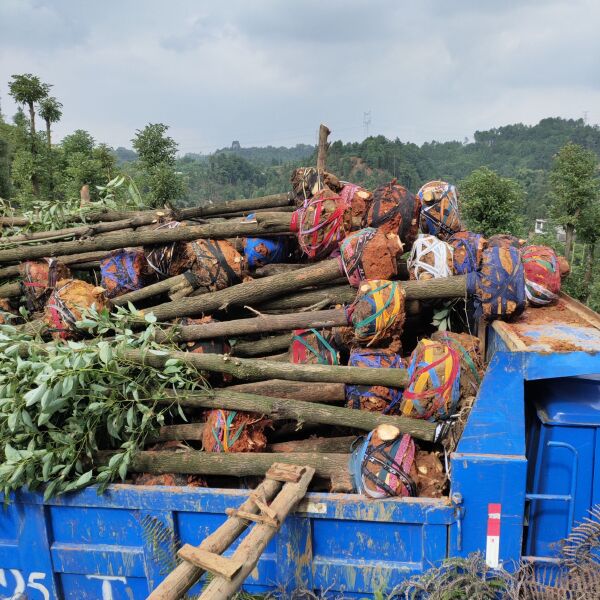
(439, 209)
(234, 431)
(359, 200)
(377, 314)
(306, 183)
(383, 464)
(214, 264)
(498, 287)
(468, 249)
(321, 224)
(374, 398)
(505, 240)
(394, 209)
(370, 254)
(38, 279)
(68, 301)
(259, 252)
(434, 386)
(542, 275)
(387, 464)
(124, 271)
(430, 258)
(161, 256)
(468, 348)
(310, 346)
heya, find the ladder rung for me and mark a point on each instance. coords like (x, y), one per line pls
(248, 516)
(265, 509)
(209, 561)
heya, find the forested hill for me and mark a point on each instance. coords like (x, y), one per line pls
(519, 151)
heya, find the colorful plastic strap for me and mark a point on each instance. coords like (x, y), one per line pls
(422, 371)
(384, 311)
(373, 359)
(120, 269)
(464, 354)
(61, 316)
(222, 431)
(214, 253)
(275, 249)
(351, 251)
(160, 257)
(394, 458)
(325, 353)
(328, 226)
(429, 245)
(439, 197)
(468, 249)
(542, 275)
(499, 280)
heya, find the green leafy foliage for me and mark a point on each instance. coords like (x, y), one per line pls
(491, 204)
(157, 151)
(62, 402)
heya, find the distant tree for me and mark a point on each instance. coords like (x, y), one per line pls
(574, 188)
(28, 89)
(50, 111)
(157, 154)
(491, 204)
(153, 146)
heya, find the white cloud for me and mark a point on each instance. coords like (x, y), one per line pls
(269, 71)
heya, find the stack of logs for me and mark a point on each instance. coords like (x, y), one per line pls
(298, 307)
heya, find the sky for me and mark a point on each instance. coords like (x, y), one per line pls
(269, 71)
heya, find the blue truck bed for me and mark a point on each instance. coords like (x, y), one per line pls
(86, 546)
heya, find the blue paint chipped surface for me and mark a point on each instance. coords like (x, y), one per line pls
(86, 546)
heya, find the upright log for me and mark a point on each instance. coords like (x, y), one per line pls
(322, 149)
(307, 412)
(185, 575)
(250, 368)
(265, 223)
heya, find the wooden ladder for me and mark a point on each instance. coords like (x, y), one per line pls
(284, 486)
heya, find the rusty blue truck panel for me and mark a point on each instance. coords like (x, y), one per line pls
(515, 488)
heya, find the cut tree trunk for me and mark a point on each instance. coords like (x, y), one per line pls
(155, 289)
(10, 290)
(73, 259)
(185, 575)
(341, 445)
(221, 208)
(14, 221)
(248, 293)
(249, 368)
(322, 148)
(265, 223)
(237, 464)
(326, 296)
(294, 390)
(276, 268)
(191, 432)
(306, 412)
(262, 347)
(569, 233)
(237, 327)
